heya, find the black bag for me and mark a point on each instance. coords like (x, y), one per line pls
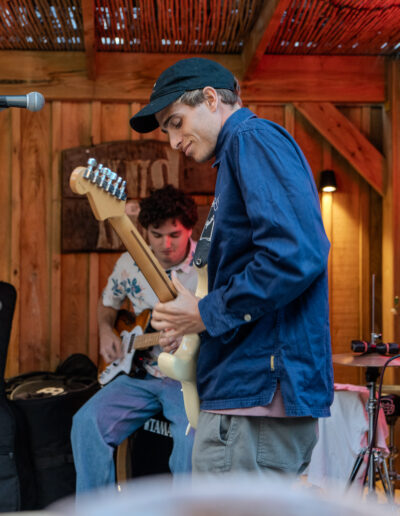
(48, 402)
(17, 485)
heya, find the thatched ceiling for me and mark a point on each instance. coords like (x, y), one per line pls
(327, 27)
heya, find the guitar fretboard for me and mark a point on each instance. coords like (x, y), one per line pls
(147, 340)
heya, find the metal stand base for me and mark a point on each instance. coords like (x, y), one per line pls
(377, 466)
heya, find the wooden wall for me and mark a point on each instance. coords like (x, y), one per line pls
(57, 293)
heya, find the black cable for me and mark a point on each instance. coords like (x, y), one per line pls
(376, 416)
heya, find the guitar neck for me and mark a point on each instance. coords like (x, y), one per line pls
(146, 340)
(144, 258)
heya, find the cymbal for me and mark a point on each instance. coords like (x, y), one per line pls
(364, 360)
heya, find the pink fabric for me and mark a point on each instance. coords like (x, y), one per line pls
(275, 409)
(382, 429)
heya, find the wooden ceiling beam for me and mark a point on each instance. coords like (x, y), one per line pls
(264, 29)
(345, 137)
(88, 10)
(358, 79)
(130, 76)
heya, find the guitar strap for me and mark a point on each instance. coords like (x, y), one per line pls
(203, 245)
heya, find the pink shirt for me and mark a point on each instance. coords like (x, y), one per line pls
(275, 409)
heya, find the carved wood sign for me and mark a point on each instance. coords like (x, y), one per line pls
(144, 165)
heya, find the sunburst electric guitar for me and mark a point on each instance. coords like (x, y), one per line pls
(130, 328)
(106, 194)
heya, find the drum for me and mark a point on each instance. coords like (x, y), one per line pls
(146, 451)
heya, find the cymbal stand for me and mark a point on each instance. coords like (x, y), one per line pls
(376, 463)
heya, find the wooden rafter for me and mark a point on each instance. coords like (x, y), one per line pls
(126, 76)
(263, 31)
(346, 139)
(89, 37)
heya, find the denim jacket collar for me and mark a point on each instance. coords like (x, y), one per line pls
(236, 118)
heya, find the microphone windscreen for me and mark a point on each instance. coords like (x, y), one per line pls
(35, 101)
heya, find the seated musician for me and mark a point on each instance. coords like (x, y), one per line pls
(124, 404)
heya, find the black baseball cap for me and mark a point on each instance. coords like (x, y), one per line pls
(185, 75)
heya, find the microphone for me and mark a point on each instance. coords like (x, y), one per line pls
(389, 348)
(362, 346)
(33, 101)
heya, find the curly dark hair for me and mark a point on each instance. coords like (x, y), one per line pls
(167, 203)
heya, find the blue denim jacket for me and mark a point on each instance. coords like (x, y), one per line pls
(267, 313)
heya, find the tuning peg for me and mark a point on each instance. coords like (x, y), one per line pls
(115, 186)
(121, 192)
(96, 173)
(90, 165)
(102, 177)
(111, 176)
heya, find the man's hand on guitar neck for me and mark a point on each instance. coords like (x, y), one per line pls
(178, 317)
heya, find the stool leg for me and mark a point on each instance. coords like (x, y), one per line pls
(122, 462)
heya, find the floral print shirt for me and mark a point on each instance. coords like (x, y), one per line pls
(126, 281)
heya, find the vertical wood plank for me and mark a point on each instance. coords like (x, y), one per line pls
(76, 130)
(115, 122)
(54, 237)
(133, 109)
(364, 240)
(5, 193)
(310, 142)
(289, 118)
(326, 212)
(345, 267)
(13, 359)
(360, 117)
(391, 210)
(35, 197)
(93, 345)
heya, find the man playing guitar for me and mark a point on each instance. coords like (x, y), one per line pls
(264, 368)
(124, 404)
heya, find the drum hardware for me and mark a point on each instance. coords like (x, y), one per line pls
(391, 407)
(376, 462)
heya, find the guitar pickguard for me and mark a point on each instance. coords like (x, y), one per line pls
(122, 365)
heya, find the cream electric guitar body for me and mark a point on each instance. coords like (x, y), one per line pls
(181, 365)
(105, 191)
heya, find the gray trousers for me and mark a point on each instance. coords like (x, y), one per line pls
(267, 445)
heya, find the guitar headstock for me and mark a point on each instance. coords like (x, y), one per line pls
(103, 187)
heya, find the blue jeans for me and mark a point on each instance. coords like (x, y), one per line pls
(114, 413)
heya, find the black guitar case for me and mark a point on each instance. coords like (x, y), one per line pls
(17, 482)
